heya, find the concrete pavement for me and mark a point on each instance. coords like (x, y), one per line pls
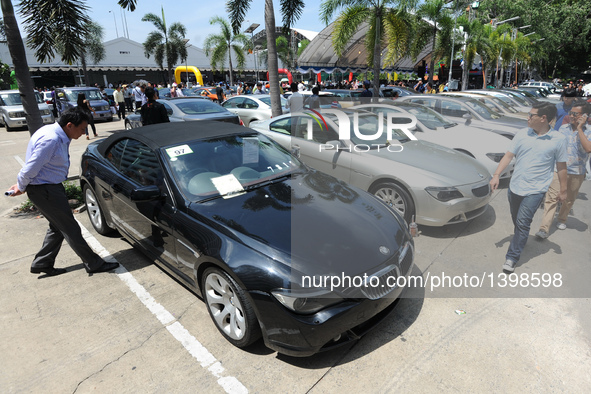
(81, 333)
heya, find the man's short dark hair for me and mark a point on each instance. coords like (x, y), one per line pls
(315, 90)
(74, 115)
(294, 87)
(545, 108)
(149, 92)
(585, 106)
(570, 92)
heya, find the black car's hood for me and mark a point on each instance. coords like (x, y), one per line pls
(323, 225)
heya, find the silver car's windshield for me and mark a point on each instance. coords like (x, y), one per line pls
(198, 107)
(367, 124)
(15, 98)
(227, 165)
(428, 117)
(267, 100)
(482, 110)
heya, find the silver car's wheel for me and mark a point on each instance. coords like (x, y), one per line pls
(229, 308)
(396, 197)
(95, 213)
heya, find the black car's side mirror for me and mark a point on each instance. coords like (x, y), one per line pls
(145, 193)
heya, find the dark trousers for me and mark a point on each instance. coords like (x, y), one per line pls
(129, 104)
(121, 111)
(52, 202)
(138, 105)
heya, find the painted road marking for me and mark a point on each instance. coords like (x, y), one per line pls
(229, 383)
(20, 161)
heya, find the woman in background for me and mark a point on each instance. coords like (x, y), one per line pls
(85, 105)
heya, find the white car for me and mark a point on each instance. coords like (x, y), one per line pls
(252, 107)
(12, 113)
(485, 147)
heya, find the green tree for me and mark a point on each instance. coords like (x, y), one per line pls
(222, 45)
(291, 10)
(165, 43)
(395, 24)
(434, 11)
(48, 23)
(472, 29)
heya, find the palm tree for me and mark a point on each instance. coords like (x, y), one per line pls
(47, 24)
(221, 46)
(291, 10)
(472, 29)
(434, 11)
(284, 52)
(383, 22)
(165, 42)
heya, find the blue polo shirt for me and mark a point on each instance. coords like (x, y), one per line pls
(535, 158)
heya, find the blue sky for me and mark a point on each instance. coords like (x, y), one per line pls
(194, 14)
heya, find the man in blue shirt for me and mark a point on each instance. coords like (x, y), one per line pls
(47, 165)
(536, 151)
(564, 107)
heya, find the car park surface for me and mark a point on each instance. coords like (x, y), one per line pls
(167, 189)
(105, 338)
(436, 184)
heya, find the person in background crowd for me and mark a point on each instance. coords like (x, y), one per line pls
(564, 107)
(119, 102)
(219, 92)
(127, 96)
(153, 112)
(536, 150)
(85, 106)
(139, 96)
(46, 167)
(578, 137)
(295, 102)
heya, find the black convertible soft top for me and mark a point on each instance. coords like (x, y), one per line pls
(173, 133)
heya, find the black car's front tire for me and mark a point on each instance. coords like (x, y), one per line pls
(396, 197)
(229, 308)
(95, 212)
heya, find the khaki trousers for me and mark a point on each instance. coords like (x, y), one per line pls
(573, 184)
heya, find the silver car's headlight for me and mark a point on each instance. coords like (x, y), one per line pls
(496, 157)
(306, 301)
(444, 193)
(45, 112)
(19, 114)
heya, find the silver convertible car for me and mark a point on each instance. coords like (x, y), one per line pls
(436, 184)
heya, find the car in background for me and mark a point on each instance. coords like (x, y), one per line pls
(181, 109)
(429, 182)
(541, 93)
(207, 92)
(68, 98)
(552, 87)
(12, 112)
(252, 107)
(508, 96)
(470, 112)
(187, 92)
(388, 91)
(494, 103)
(485, 147)
(240, 222)
(327, 99)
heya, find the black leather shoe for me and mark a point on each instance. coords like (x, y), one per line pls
(104, 268)
(49, 271)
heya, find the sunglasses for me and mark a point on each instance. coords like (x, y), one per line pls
(575, 114)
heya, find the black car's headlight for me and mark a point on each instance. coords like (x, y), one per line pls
(444, 193)
(306, 301)
(496, 157)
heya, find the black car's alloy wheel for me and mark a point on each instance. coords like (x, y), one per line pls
(396, 197)
(95, 213)
(229, 308)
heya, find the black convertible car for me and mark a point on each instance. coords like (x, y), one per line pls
(261, 237)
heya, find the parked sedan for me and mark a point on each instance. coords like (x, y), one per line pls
(471, 112)
(485, 147)
(243, 224)
(12, 113)
(252, 107)
(436, 184)
(182, 109)
(68, 98)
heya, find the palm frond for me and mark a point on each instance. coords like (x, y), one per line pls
(128, 4)
(347, 25)
(237, 10)
(291, 10)
(156, 21)
(240, 57)
(329, 7)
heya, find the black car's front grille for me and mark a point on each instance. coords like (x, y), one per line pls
(384, 282)
(481, 191)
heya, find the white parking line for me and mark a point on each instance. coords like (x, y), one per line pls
(20, 161)
(229, 383)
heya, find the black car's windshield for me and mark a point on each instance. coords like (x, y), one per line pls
(226, 166)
